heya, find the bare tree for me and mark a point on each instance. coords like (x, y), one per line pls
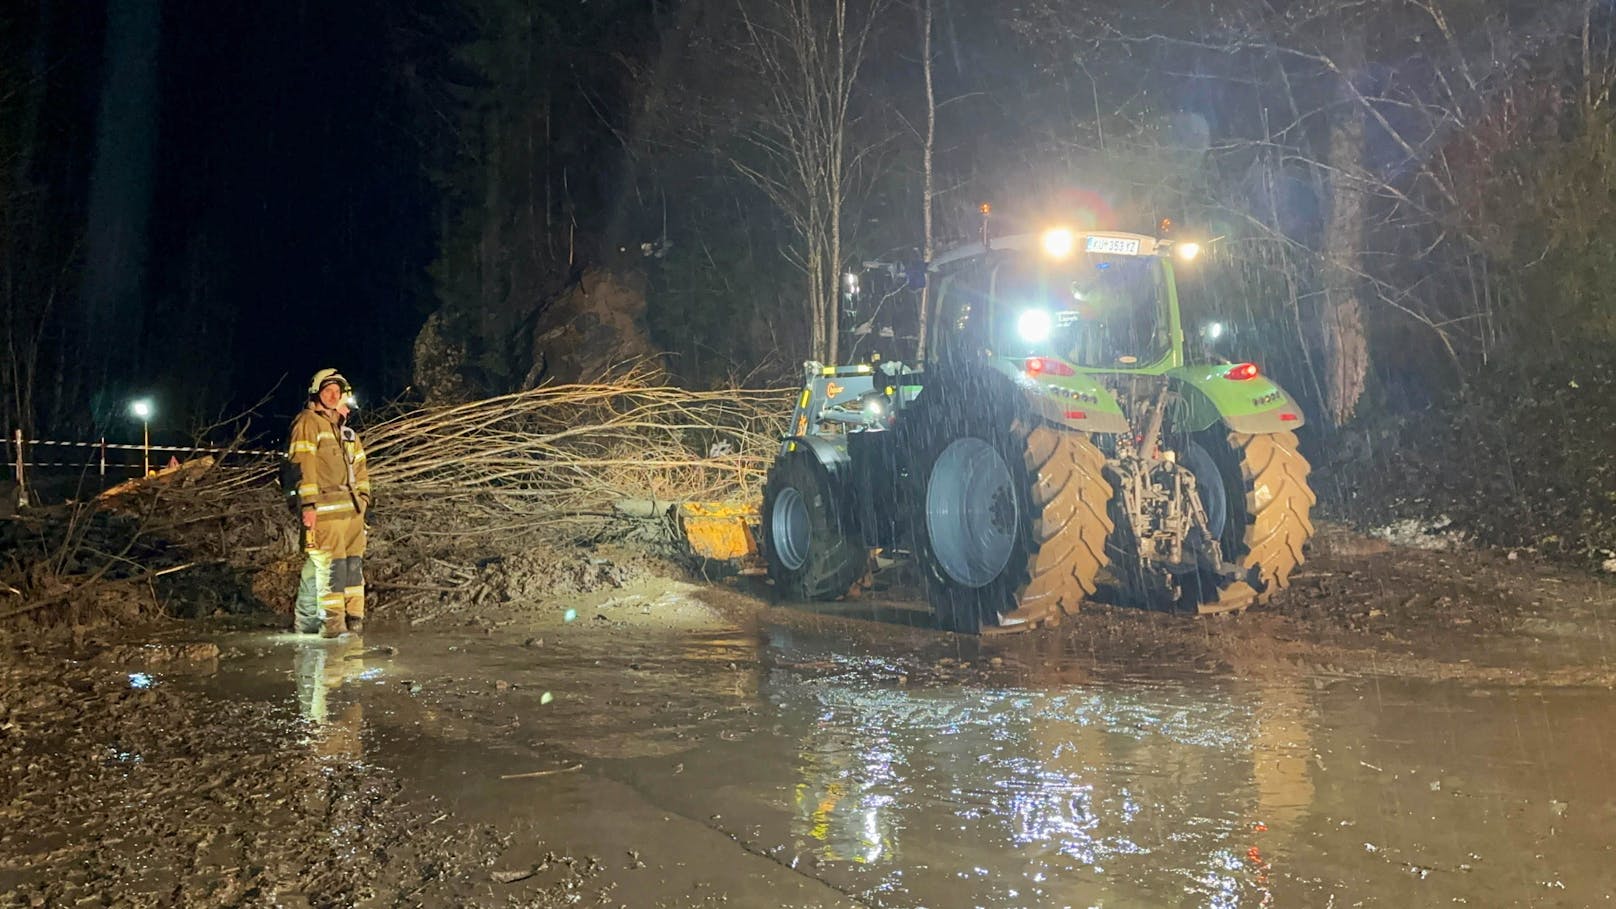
(1344, 338)
(806, 55)
(927, 242)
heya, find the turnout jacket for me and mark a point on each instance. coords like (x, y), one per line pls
(332, 476)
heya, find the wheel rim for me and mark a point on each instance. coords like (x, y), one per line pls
(791, 530)
(1209, 485)
(972, 512)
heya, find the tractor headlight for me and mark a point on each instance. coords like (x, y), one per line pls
(1186, 252)
(1058, 242)
(1035, 325)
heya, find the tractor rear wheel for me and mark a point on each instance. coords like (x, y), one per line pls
(1266, 504)
(1008, 515)
(811, 550)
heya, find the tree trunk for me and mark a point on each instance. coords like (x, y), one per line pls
(815, 261)
(1346, 347)
(833, 277)
(926, 248)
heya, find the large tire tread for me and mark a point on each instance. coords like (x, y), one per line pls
(1278, 509)
(1072, 526)
(1061, 542)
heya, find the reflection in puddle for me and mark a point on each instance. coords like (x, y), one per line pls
(321, 667)
(1041, 798)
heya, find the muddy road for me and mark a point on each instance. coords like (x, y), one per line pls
(1404, 729)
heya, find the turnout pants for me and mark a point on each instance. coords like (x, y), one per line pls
(332, 584)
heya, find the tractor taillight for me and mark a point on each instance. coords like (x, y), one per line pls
(1242, 372)
(1288, 417)
(1040, 366)
(1076, 415)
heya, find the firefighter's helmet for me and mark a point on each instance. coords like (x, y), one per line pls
(325, 377)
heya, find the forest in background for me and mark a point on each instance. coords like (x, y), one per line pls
(1402, 195)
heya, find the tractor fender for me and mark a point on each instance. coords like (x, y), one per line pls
(1078, 401)
(833, 458)
(1255, 406)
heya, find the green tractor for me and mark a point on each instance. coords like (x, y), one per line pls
(1057, 439)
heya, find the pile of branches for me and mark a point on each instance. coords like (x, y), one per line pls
(570, 461)
(179, 543)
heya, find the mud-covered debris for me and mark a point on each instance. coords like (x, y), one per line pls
(250, 820)
(157, 654)
(513, 875)
(1462, 470)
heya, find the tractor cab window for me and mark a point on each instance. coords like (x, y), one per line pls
(962, 306)
(1095, 310)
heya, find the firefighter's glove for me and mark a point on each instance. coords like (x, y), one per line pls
(308, 518)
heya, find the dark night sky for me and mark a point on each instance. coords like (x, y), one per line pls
(292, 223)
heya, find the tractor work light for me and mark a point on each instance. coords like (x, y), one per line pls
(1035, 325)
(1214, 330)
(1058, 242)
(1186, 252)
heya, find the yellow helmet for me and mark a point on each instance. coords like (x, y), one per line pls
(325, 377)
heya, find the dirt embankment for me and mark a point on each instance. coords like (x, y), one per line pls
(1523, 459)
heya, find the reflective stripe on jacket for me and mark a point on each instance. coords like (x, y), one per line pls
(333, 475)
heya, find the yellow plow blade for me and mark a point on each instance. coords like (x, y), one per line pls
(718, 531)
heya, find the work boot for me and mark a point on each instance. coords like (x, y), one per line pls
(333, 627)
(356, 624)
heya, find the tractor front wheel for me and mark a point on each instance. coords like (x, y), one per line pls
(810, 550)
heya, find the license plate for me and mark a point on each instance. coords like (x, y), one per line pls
(1119, 246)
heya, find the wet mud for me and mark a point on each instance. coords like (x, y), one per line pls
(1403, 729)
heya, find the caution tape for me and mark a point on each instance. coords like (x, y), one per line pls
(110, 446)
(90, 465)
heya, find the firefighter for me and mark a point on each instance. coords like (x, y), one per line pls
(333, 495)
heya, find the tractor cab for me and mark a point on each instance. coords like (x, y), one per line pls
(1099, 301)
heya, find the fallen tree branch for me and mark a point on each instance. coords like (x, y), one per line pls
(538, 773)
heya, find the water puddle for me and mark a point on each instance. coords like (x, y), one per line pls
(861, 777)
